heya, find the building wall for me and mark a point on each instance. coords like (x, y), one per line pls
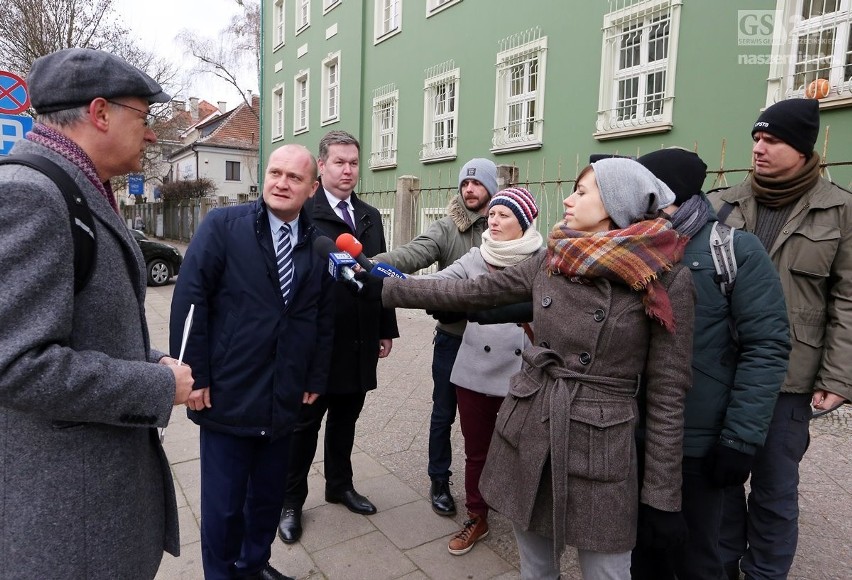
(719, 92)
(211, 165)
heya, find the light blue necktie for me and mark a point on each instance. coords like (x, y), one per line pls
(284, 256)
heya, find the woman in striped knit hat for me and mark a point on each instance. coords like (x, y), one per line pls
(489, 354)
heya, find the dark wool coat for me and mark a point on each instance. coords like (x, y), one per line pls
(564, 445)
(257, 355)
(358, 323)
(735, 382)
(85, 488)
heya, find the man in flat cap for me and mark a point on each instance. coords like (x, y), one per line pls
(805, 223)
(86, 488)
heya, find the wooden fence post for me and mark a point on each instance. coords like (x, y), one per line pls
(507, 176)
(405, 209)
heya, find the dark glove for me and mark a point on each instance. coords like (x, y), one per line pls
(725, 466)
(371, 288)
(445, 317)
(659, 530)
(521, 312)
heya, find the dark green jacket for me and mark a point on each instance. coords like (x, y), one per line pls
(734, 388)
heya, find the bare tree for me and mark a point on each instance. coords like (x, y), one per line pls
(236, 46)
(33, 28)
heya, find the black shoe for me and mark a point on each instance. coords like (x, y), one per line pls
(269, 573)
(442, 500)
(290, 526)
(354, 502)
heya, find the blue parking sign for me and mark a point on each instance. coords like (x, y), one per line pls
(13, 128)
(136, 184)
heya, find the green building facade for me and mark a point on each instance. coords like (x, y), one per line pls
(541, 84)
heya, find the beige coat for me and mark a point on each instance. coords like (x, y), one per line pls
(568, 422)
(813, 255)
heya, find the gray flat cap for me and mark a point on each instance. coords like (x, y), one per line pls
(73, 77)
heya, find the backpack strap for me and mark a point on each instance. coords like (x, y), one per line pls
(722, 251)
(725, 211)
(82, 222)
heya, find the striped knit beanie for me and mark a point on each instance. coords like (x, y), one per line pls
(520, 201)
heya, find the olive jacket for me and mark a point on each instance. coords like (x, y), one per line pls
(813, 256)
(562, 460)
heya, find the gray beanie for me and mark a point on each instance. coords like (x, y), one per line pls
(483, 171)
(629, 191)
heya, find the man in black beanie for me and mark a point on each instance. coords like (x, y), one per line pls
(805, 223)
(735, 381)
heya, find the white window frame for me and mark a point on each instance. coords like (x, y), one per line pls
(278, 112)
(330, 89)
(303, 15)
(387, 19)
(301, 102)
(611, 122)
(788, 31)
(440, 109)
(385, 123)
(278, 24)
(525, 53)
(329, 5)
(435, 6)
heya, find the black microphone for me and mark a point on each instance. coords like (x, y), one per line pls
(339, 263)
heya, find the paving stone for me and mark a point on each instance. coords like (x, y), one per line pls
(370, 556)
(436, 562)
(413, 524)
(292, 560)
(330, 524)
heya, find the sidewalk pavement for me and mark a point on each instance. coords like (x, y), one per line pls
(405, 539)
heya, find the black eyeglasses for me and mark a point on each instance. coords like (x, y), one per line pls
(149, 116)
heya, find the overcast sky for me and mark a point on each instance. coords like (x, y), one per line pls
(156, 23)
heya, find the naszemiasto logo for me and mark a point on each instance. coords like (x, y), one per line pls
(756, 27)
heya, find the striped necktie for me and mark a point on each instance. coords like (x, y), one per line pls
(284, 256)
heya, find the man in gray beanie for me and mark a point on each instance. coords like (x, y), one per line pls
(86, 485)
(447, 240)
(805, 223)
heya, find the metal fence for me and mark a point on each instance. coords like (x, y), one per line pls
(409, 204)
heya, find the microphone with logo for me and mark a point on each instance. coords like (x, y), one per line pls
(339, 263)
(349, 244)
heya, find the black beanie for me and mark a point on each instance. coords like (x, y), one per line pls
(794, 121)
(682, 170)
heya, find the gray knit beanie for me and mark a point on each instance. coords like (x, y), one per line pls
(483, 171)
(629, 191)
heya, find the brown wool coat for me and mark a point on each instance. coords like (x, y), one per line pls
(568, 422)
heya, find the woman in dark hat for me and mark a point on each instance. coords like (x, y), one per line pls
(613, 318)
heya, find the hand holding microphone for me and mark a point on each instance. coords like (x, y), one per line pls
(348, 243)
(339, 263)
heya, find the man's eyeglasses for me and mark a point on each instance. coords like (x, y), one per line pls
(150, 118)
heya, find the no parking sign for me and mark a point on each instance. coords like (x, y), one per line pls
(14, 97)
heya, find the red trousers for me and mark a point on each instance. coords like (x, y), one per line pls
(478, 414)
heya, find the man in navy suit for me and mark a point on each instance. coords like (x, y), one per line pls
(261, 341)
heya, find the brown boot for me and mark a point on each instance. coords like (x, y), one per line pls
(474, 530)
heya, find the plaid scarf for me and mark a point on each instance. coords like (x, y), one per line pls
(634, 256)
(56, 141)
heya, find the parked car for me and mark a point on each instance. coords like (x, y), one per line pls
(162, 261)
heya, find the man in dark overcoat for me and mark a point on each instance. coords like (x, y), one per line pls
(260, 342)
(363, 333)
